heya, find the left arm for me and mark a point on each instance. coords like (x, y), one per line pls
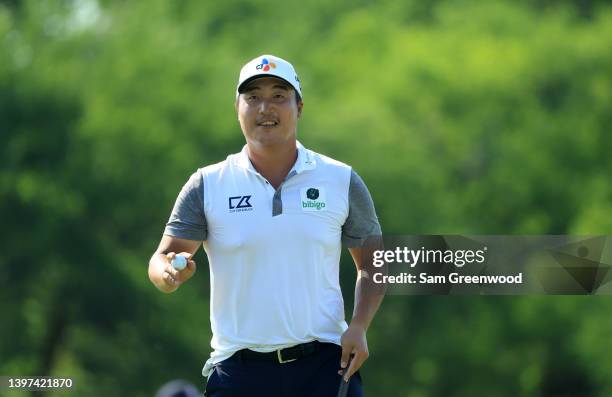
(362, 234)
(368, 298)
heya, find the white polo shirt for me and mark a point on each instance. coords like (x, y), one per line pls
(274, 254)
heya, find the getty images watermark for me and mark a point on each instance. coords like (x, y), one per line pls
(492, 265)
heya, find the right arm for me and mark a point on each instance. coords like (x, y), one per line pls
(161, 273)
(185, 231)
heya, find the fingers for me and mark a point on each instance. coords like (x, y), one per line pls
(191, 266)
(356, 363)
(346, 354)
(169, 279)
(354, 351)
(170, 274)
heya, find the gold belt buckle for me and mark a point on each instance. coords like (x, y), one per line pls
(280, 357)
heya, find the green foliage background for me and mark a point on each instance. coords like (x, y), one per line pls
(462, 116)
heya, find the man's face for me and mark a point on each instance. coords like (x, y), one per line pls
(268, 112)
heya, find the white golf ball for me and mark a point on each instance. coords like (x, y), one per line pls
(179, 262)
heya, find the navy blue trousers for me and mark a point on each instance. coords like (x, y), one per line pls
(315, 375)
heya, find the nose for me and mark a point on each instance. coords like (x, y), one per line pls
(265, 106)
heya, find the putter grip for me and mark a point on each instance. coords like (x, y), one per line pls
(344, 386)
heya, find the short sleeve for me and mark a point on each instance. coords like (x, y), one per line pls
(361, 221)
(187, 219)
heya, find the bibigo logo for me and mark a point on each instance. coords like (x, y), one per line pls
(312, 199)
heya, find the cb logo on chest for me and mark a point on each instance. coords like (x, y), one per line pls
(239, 204)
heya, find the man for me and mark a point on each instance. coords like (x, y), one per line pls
(178, 388)
(272, 220)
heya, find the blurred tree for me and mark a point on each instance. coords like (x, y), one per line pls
(462, 117)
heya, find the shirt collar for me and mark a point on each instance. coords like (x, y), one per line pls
(305, 160)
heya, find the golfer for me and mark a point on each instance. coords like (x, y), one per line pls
(273, 219)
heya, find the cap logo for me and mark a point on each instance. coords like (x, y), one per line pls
(265, 65)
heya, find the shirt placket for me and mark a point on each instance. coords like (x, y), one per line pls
(277, 201)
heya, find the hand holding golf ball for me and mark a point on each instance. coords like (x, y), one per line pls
(180, 268)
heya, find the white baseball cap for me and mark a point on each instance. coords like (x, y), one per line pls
(268, 66)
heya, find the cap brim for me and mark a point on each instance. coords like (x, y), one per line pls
(258, 76)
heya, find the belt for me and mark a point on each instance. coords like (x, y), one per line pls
(282, 355)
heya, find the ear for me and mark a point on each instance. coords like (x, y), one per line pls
(300, 105)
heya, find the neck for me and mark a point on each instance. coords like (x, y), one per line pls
(273, 162)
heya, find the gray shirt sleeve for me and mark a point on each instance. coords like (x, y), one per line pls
(361, 222)
(188, 220)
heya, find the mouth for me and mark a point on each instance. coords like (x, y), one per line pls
(267, 123)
